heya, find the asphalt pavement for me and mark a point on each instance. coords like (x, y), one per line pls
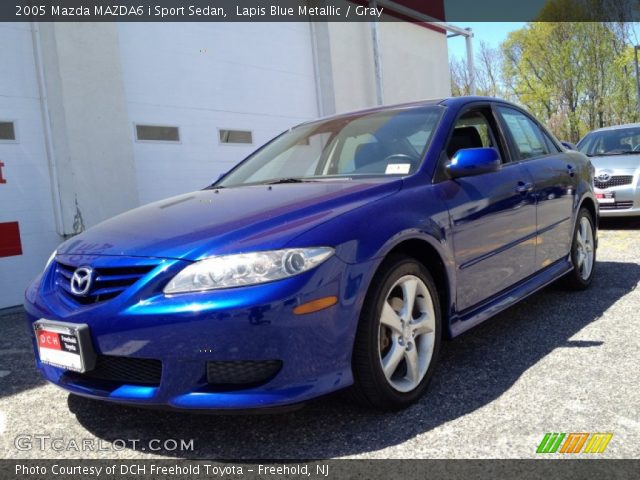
(557, 362)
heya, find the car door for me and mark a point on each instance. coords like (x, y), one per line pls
(554, 179)
(492, 215)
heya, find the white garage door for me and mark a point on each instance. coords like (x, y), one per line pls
(27, 229)
(217, 86)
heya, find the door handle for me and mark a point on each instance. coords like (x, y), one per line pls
(571, 170)
(524, 187)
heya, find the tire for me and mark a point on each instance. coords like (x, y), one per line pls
(391, 341)
(583, 253)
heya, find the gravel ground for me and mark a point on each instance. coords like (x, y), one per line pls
(558, 362)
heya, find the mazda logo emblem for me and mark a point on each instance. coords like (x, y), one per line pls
(81, 281)
(604, 177)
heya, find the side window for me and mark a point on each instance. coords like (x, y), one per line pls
(472, 130)
(551, 145)
(527, 136)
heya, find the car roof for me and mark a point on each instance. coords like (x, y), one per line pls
(447, 102)
(616, 127)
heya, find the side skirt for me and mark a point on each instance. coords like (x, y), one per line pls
(465, 320)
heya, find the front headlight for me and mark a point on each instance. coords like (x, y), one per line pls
(246, 269)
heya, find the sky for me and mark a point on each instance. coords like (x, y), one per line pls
(492, 33)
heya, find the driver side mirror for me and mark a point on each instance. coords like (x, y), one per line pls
(568, 145)
(473, 161)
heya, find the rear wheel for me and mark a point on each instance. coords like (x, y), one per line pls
(583, 253)
(398, 336)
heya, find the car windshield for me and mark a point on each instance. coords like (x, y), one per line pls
(620, 141)
(383, 143)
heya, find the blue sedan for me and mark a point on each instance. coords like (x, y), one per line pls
(337, 256)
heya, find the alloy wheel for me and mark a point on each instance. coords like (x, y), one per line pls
(407, 333)
(585, 248)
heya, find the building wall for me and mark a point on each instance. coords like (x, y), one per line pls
(205, 76)
(414, 62)
(92, 142)
(27, 222)
(352, 66)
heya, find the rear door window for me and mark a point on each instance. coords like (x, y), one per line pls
(528, 139)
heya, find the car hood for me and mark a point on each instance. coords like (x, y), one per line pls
(214, 222)
(616, 162)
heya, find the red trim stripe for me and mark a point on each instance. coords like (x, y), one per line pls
(10, 244)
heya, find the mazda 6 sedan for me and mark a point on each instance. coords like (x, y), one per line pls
(615, 154)
(337, 256)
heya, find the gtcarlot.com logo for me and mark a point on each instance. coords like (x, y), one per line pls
(574, 442)
(44, 442)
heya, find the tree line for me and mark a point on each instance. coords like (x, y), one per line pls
(575, 76)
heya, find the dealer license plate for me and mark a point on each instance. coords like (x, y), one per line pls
(607, 197)
(64, 345)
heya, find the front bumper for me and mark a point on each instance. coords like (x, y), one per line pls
(619, 212)
(184, 332)
(627, 197)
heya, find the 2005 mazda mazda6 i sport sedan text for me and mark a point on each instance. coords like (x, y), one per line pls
(338, 255)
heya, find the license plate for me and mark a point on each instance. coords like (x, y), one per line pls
(607, 197)
(64, 345)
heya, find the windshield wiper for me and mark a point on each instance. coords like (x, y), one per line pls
(276, 181)
(286, 180)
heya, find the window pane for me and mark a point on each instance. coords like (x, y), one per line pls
(526, 134)
(604, 142)
(354, 147)
(419, 139)
(157, 133)
(389, 142)
(472, 130)
(236, 136)
(7, 131)
(300, 160)
(551, 145)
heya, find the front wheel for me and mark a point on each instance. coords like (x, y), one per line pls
(398, 336)
(583, 252)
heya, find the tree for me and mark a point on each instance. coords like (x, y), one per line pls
(488, 62)
(575, 75)
(460, 78)
(488, 70)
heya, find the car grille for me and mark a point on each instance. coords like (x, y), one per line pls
(107, 283)
(614, 181)
(126, 370)
(241, 373)
(616, 206)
